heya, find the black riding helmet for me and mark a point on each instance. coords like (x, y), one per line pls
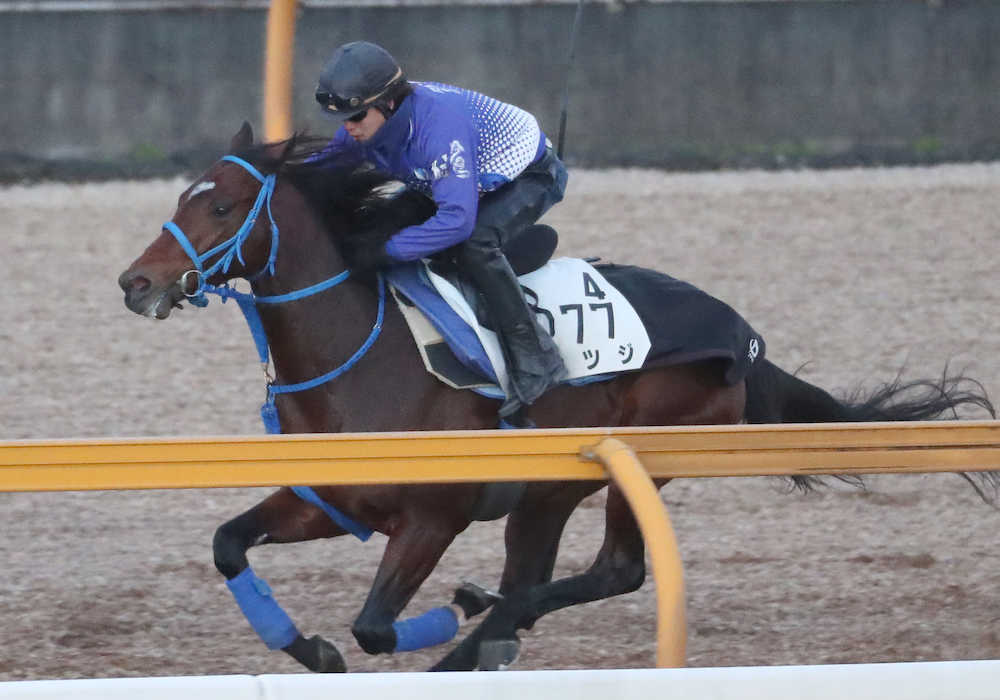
(359, 75)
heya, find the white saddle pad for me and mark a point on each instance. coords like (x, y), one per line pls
(595, 327)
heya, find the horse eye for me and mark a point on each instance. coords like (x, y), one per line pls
(220, 210)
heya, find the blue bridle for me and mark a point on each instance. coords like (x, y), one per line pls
(233, 248)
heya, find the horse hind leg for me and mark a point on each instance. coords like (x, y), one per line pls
(532, 540)
(618, 568)
(282, 517)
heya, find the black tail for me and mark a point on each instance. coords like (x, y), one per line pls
(775, 396)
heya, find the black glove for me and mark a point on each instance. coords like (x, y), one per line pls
(364, 253)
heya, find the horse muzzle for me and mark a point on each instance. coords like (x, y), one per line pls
(147, 299)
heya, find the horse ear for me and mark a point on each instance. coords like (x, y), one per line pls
(243, 138)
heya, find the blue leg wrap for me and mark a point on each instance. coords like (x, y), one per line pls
(435, 626)
(268, 620)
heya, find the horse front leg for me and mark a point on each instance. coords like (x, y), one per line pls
(414, 548)
(280, 518)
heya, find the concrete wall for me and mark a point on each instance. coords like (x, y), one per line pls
(680, 84)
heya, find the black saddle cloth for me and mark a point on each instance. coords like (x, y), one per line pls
(685, 324)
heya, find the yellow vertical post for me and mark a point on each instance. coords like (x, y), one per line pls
(278, 70)
(654, 523)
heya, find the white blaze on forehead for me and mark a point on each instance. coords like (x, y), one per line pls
(199, 188)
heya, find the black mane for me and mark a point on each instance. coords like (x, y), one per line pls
(350, 201)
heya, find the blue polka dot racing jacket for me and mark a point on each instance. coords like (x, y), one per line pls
(452, 144)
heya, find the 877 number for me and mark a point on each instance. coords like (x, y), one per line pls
(590, 289)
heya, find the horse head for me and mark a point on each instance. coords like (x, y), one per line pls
(224, 228)
(219, 231)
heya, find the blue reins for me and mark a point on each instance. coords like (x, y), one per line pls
(233, 248)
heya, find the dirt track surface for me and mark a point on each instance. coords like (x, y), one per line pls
(849, 274)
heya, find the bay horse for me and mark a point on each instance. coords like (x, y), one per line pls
(226, 225)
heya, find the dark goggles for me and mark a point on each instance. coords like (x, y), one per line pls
(336, 103)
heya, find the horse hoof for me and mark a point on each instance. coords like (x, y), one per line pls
(317, 654)
(498, 654)
(328, 659)
(474, 599)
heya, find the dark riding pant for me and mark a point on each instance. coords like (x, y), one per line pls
(534, 363)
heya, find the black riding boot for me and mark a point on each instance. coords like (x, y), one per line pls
(533, 362)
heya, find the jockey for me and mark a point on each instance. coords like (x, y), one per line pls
(488, 167)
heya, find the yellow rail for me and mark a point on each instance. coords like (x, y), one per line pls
(494, 455)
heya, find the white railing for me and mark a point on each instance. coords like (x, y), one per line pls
(945, 680)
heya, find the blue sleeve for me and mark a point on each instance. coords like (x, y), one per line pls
(447, 148)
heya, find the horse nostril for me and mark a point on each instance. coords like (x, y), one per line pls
(136, 283)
